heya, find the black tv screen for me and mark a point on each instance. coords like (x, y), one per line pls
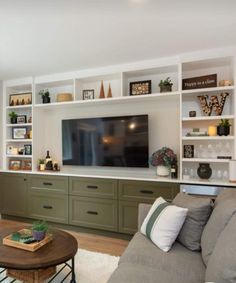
(110, 141)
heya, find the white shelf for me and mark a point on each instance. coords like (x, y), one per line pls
(208, 160)
(18, 156)
(210, 89)
(18, 140)
(121, 99)
(19, 125)
(19, 106)
(207, 118)
(207, 138)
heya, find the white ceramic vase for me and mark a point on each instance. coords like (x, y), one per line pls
(163, 171)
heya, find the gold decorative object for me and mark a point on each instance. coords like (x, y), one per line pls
(226, 82)
(102, 93)
(109, 94)
(62, 97)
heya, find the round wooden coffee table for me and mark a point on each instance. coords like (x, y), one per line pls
(61, 249)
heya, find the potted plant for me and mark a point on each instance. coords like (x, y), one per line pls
(165, 85)
(13, 117)
(45, 95)
(223, 128)
(41, 164)
(39, 229)
(162, 159)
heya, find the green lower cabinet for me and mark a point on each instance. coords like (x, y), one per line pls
(14, 188)
(48, 206)
(93, 213)
(128, 216)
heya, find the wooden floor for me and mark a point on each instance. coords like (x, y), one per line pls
(92, 242)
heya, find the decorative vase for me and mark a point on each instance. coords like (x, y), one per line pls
(14, 120)
(163, 171)
(102, 93)
(39, 235)
(109, 94)
(46, 99)
(204, 171)
(41, 167)
(223, 130)
(165, 88)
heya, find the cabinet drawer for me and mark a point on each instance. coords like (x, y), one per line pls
(135, 190)
(49, 183)
(93, 213)
(91, 187)
(48, 206)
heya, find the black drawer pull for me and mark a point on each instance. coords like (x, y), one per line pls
(47, 206)
(146, 192)
(47, 184)
(92, 212)
(92, 187)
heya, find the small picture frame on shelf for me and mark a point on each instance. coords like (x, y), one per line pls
(188, 151)
(27, 164)
(19, 133)
(15, 164)
(28, 149)
(11, 150)
(140, 88)
(88, 94)
(21, 119)
(20, 99)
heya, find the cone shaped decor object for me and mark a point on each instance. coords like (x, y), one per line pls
(102, 93)
(109, 94)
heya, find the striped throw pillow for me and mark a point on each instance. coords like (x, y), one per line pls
(163, 223)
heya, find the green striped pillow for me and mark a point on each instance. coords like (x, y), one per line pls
(163, 223)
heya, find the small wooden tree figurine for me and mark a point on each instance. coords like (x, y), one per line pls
(109, 94)
(102, 93)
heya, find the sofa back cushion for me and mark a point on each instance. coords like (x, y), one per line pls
(224, 208)
(199, 210)
(222, 263)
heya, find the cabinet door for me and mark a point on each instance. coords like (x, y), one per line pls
(93, 212)
(128, 216)
(14, 194)
(48, 206)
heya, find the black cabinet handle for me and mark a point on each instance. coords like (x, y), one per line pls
(146, 192)
(92, 187)
(25, 179)
(92, 212)
(47, 206)
(47, 184)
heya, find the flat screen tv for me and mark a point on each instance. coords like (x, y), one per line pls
(109, 141)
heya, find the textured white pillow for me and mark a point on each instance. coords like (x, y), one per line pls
(163, 223)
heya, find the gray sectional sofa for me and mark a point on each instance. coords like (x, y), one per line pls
(143, 262)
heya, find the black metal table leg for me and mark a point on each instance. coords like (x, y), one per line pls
(73, 270)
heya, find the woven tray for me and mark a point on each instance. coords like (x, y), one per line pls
(27, 247)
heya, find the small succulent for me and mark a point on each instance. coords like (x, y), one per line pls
(40, 226)
(12, 115)
(224, 123)
(165, 82)
(44, 92)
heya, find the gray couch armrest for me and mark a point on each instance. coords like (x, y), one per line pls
(143, 209)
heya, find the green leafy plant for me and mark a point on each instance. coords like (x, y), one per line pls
(44, 92)
(41, 161)
(13, 115)
(224, 123)
(40, 225)
(166, 82)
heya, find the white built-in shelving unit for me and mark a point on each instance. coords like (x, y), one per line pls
(169, 120)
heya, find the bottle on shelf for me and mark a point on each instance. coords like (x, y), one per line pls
(48, 161)
(174, 170)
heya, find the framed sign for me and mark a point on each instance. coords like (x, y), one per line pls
(200, 82)
(28, 149)
(19, 132)
(27, 164)
(188, 151)
(21, 119)
(15, 164)
(20, 99)
(88, 94)
(141, 87)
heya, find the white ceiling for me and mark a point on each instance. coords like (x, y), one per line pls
(49, 36)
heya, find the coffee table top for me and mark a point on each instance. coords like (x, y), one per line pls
(62, 248)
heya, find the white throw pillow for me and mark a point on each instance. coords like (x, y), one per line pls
(163, 223)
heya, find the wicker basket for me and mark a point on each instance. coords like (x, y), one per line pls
(62, 97)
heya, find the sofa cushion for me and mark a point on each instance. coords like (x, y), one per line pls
(199, 210)
(179, 262)
(222, 263)
(224, 208)
(163, 223)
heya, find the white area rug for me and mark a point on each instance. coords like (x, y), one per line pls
(91, 267)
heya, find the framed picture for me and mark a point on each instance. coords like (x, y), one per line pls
(21, 119)
(28, 149)
(188, 151)
(15, 164)
(27, 164)
(19, 132)
(141, 87)
(20, 99)
(88, 94)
